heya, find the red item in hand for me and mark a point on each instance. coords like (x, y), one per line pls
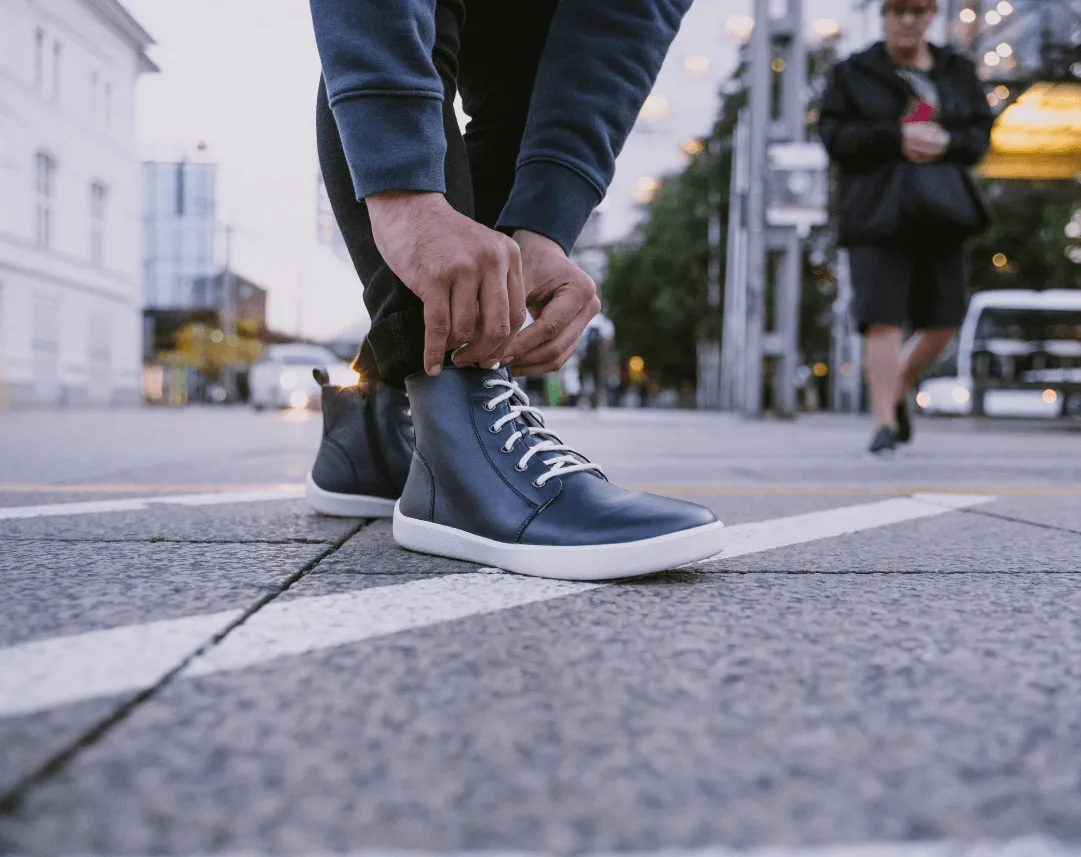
(923, 112)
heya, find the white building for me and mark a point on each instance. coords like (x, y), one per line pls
(70, 306)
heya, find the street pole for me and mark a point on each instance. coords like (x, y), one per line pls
(790, 285)
(761, 110)
(735, 280)
(709, 349)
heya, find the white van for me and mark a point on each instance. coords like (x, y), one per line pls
(1024, 347)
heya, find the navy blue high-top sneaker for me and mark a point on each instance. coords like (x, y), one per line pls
(364, 458)
(490, 484)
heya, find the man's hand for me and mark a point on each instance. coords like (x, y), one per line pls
(560, 297)
(469, 277)
(924, 142)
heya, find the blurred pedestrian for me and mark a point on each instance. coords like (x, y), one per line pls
(595, 350)
(903, 121)
(454, 238)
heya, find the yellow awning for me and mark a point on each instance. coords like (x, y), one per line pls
(1038, 136)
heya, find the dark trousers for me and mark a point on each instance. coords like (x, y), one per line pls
(489, 51)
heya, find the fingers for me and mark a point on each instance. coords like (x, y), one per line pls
(436, 330)
(502, 306)
(516, 293)
(550, 356)
(568, 300)
(463, 311)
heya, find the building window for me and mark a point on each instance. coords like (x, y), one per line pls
(58, 51)
(39, 59)
(98, 196)
(45, 190)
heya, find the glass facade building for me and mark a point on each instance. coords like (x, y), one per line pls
(179, 232)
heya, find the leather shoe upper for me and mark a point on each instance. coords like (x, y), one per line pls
(473, 471)
(367, 442)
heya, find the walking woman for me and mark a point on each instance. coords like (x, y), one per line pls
(903, 121)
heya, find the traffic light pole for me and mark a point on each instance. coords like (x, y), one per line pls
(760, 106)
(765, 263)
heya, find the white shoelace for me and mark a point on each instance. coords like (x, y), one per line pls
(569, 461)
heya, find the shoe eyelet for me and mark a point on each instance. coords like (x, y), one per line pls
(507, 449)
(489, 407)
(537, 483)
(493, 429)
(520, 469)
(487, 383)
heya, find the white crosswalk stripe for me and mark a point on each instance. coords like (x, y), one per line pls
(1036, 846)
(141, 504)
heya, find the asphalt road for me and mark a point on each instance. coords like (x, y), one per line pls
(884, 662)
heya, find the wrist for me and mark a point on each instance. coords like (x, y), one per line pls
(528, 241)
(392, 202)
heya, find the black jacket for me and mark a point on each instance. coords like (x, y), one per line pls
(860, 125)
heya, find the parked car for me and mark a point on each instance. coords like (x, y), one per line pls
(953, 396)
(282, 376)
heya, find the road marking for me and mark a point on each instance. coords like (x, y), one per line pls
(1034, 846)
(43, 674)
(141, 504)
(39, 675)
(308, 625)
(800, 491)
(759, 536)
(142, 488)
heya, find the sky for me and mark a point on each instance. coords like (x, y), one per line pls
(241, 76)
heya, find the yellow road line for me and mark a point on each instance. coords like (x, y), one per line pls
(781, 491)
(290, 487)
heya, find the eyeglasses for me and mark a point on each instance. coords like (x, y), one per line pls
(914, 11)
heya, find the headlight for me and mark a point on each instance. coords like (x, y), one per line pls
(298, 399)
(960, 395)
(923, 399)
(288, 380)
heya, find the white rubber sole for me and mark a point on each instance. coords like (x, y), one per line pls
(586, 562)
(346, 505)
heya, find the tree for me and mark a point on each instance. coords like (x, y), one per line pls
(1026, 245)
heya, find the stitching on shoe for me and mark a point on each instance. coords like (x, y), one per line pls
(431, 485)
(536, 514)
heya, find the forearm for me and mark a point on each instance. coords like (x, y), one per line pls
(384, 90)
(597, 69)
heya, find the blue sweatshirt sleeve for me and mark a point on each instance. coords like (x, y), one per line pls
(384, 90)
(600, 61)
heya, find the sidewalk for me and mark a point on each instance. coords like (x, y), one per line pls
(190, 663)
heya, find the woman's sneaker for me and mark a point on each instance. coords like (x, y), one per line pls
(491, 485)
(883, 444)
(903, 433)
(363, 460)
